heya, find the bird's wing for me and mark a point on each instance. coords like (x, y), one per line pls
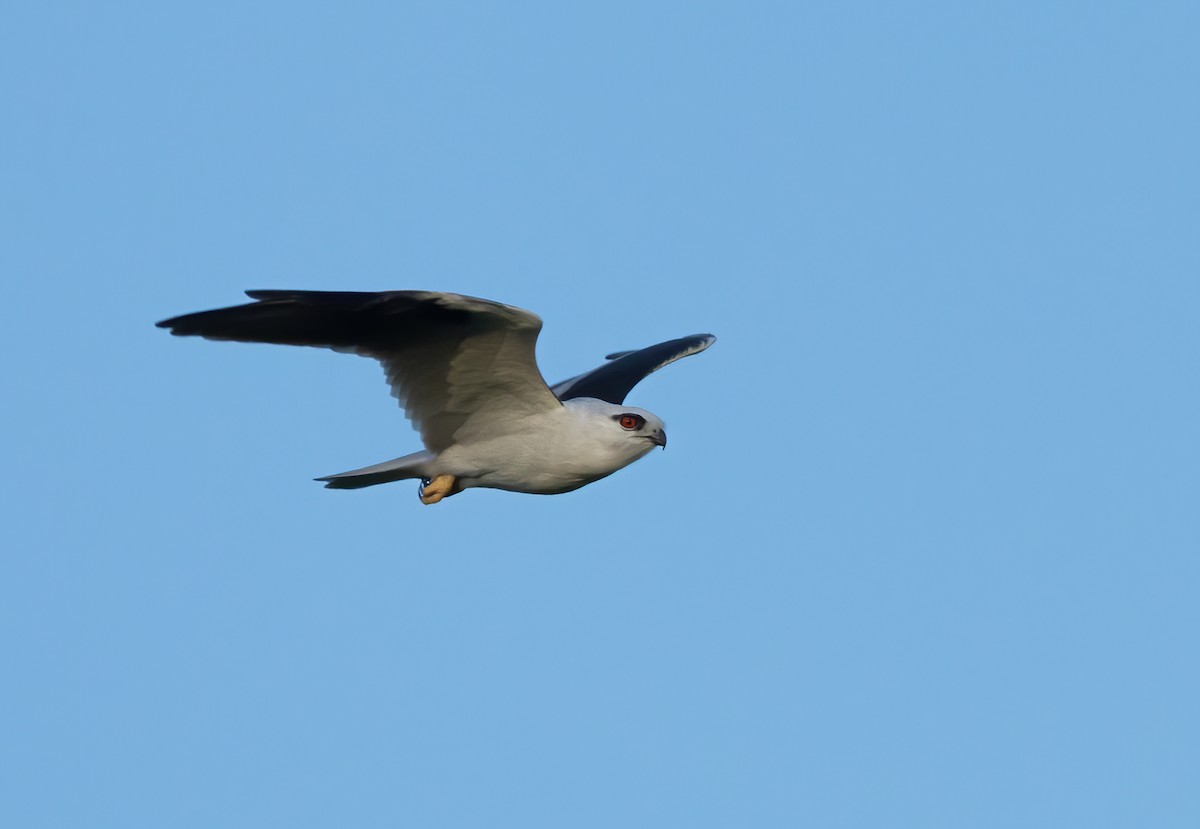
(453, 361)
(625, 369)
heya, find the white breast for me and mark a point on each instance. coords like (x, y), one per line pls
(547, 453)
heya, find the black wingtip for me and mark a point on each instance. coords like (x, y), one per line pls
(625, 369)
(171, 325)
(697, 339)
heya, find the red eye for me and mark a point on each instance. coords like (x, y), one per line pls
(630, 422)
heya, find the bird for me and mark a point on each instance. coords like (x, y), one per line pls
(464, 370)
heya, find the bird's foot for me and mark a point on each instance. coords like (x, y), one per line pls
(432, 491)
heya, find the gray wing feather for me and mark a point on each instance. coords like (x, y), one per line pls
(451, 360)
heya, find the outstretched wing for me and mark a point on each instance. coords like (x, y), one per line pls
(613, 380)
(454, 362)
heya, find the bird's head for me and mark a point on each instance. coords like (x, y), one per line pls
(640, 425)
(624, 431)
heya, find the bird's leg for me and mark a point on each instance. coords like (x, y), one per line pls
(432, 491)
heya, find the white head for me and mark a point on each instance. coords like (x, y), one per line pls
(620, 431)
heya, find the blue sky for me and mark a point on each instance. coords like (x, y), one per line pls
(924, 548)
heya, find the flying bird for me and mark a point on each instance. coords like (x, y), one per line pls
(463, 368)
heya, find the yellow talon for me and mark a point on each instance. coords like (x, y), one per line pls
(440, 487)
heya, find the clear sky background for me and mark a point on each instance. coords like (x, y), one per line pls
(924, 550)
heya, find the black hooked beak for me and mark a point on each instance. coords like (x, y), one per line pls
(659, 438)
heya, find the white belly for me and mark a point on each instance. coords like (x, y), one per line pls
(547, 454)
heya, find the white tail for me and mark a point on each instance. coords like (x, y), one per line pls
(399, 469)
